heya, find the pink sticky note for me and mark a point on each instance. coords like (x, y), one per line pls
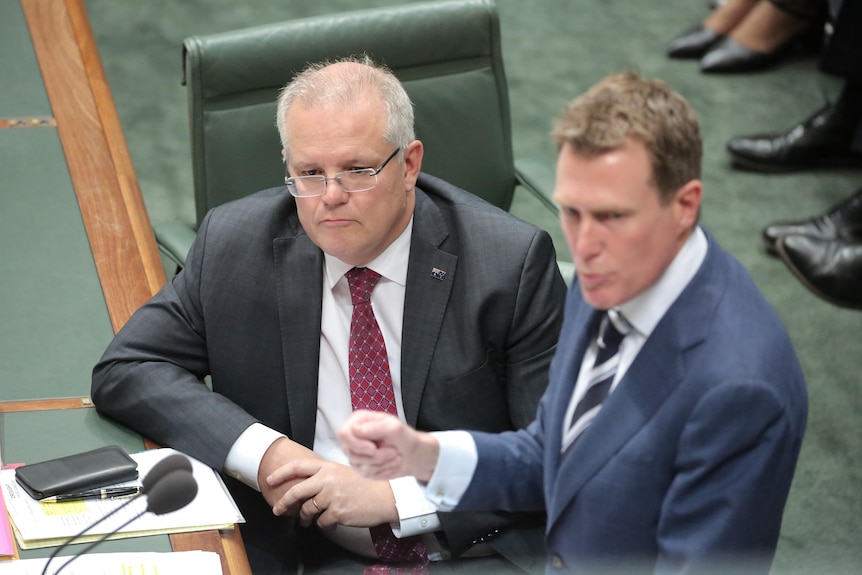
(7, 545)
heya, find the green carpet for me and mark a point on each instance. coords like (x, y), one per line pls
(553, 50)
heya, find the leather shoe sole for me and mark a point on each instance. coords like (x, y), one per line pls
(822, 140)
(693, 43)
(837, 161)
(832, 270)
(843, 222)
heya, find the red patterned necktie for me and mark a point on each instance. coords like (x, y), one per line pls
(371, 388)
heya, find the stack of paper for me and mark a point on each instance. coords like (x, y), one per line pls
(48, 524)
(179, 563)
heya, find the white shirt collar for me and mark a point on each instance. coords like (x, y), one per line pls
(391, 264)
(645, 310)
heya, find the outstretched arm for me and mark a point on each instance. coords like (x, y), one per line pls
(380, 446)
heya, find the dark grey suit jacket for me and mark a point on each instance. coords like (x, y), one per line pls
(477, 340)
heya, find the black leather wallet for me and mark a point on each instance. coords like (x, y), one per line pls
(77, 472)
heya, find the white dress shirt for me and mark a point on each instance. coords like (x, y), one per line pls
(457, 460)
(417, 515)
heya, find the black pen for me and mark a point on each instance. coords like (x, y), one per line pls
(104, 493)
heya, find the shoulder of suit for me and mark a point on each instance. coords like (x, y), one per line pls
(453, 199)
(269, 202)
(267, 212)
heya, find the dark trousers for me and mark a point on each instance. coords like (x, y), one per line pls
(320, 556)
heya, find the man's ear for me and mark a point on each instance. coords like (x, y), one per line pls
(687, 204)
(413, 154)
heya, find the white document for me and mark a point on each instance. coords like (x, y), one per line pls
(177, 563)
(48, 524)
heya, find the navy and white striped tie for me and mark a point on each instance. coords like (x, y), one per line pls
(612, 330)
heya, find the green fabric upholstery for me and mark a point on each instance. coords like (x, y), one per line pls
(447, 54)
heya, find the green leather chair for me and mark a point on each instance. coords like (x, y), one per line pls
(447, 54)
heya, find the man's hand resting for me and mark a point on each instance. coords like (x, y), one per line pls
(279, 453)
(332, 494)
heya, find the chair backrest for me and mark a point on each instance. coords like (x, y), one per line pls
(447, 54)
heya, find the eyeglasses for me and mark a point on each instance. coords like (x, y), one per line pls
(351, 181)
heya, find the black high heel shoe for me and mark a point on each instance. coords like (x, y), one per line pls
(693, 43)
(728, 56)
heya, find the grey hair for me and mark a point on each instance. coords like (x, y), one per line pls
(320, 84)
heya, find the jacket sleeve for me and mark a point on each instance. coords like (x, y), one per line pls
(535, 329)
(151, 377)
(533, 333)
(736, 460)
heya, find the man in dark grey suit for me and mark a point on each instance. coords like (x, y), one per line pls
(469, 305)
(683, 463)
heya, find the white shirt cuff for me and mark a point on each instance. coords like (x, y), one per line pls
(456, 464)
(416, 514)
(243, 460)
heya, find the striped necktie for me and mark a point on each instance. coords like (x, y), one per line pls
(612, 330)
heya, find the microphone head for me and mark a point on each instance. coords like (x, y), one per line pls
(170, 463)
(172, 491)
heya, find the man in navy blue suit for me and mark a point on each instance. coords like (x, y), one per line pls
(684, 462)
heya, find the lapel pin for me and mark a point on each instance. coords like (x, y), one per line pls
(437, 273)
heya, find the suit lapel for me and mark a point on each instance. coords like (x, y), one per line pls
(623, 414)
(430, 276)
(300, 329)
(655, 373)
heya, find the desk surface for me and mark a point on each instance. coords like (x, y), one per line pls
(77, 253)
(55, 325)
(44, 434)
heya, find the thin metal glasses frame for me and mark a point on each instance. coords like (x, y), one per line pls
(371, 172)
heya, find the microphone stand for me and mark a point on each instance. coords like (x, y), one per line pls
(169, 486)
(90, 546)
(67, 543)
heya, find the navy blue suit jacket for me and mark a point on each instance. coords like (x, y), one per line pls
(690, 459)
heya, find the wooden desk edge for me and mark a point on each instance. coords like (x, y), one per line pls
(45, 404)
(117, 224)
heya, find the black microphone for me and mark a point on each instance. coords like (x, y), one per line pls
(170, 463)
(179, 491)
(173, 491)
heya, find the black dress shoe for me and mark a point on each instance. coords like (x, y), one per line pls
(831, 269)
(843, 222)
(693, 43)
(823, 140)
(729, 56)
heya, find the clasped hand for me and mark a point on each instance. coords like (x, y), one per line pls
(332, 494)
(379, 447)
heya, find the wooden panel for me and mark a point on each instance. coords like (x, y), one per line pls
(117, 225)
(44, 404)
(121, 239)
(26, 122)
(228, 544)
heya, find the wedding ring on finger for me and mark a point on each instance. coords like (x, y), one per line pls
(316, 506)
